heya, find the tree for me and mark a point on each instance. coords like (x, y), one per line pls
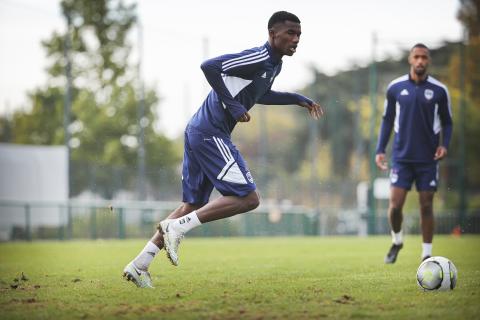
(104, 122)
(466, 64)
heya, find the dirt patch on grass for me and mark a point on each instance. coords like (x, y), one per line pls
(345, 299)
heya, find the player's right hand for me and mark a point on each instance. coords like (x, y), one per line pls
(316, 111)
(244, 117)
(380, 161)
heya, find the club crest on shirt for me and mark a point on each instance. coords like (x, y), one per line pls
(428, 94)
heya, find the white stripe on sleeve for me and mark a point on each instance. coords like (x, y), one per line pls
(243, 57)
(234, 63)
(246, 63)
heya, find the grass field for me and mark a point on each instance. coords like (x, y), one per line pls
(236, 278)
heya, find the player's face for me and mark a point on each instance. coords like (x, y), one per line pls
(419, 60)
(285, 37)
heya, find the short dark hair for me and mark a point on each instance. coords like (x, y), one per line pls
(281, 16)
(420, 45)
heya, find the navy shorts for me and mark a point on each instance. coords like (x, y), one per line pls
(212, 161)
(425, 175)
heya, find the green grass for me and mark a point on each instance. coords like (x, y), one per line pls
(233, 278)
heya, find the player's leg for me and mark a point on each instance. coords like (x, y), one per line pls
(227, 206)
(426, 183)
(395, 212)
(137, 270)
(143, 260)
(401, 178)
(395, 217)
(226, 170)
(173, 230)
(182, 210)
(426, 222)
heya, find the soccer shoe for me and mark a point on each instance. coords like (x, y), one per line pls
(141, 278)
(171, 240)
(392, 254)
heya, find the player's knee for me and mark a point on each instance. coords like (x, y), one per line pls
(252, 201)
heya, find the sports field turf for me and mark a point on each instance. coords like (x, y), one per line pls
(236, 278)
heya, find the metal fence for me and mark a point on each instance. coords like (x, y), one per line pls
(95, 220)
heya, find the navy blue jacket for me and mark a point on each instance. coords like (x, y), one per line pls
(238, 82)
(418, 113)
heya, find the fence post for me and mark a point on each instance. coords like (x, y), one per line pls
(206, 230)
(61, 228)
(310, 223)
(28, 231)
(93, 222)
(248, 226)
(316, 223)
(373, 85)
(121, 224)
(69, 222)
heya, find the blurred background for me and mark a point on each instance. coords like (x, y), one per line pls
(94, 97)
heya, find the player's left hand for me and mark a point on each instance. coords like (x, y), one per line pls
(440, 153)
(316, 111)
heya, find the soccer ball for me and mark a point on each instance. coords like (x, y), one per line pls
(437, 273)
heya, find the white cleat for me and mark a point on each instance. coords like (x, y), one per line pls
(171, 240)
(141, 278)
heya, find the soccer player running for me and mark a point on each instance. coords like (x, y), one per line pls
(417, 107)
(238, 82)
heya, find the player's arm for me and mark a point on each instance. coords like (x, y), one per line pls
(284, 98)
(445, 113)
(385, 129)
(239, 65)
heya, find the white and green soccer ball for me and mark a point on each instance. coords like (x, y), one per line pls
(437, 273)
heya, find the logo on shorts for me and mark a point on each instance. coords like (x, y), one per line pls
(433, 183)
(249, 176)
(428, 94)
(393, 175)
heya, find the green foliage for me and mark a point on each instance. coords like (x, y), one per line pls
(43, 124)
(104, 115)
(249, 278)
(98, 33)
(5, 129)
(462, 74)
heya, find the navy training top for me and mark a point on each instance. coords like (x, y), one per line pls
(238, 82)
(418, 113)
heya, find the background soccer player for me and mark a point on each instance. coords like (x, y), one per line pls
(417, 107)
(238, 82)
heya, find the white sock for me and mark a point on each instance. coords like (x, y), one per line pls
(397, 238)
(186, 223)
(145, 257)
(426, 249)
